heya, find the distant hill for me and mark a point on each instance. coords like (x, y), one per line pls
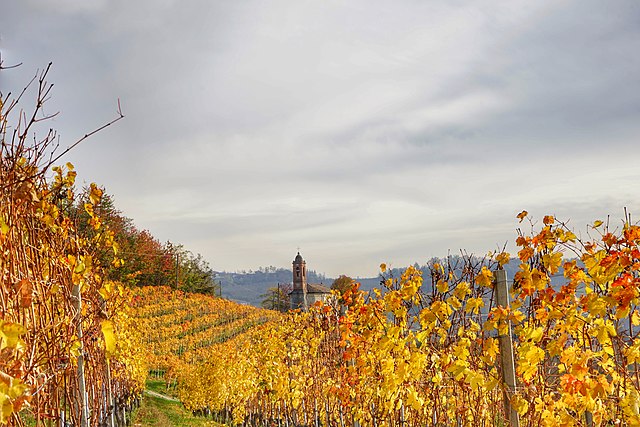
(246, 287)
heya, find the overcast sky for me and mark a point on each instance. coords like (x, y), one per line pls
(360, 131)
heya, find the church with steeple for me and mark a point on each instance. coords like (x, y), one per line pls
(305, 294)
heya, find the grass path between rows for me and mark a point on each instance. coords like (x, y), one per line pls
(157, 410)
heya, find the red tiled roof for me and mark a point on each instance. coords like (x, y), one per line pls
(317, 289)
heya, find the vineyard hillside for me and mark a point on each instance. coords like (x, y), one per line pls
(179, 328)
(445, 346)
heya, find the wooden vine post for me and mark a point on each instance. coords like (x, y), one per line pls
(82, 388)
(507, 364)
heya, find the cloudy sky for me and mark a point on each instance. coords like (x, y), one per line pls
(360, 131)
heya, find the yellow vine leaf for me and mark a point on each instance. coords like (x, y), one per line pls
(516, 316)
(632, 353)
(109, 338)
(462, 290)
(458, 369)
(106, 290)
(442, 286)
(13, 393)
(441, 309)
(520, 404)
(10, 334)
(4, 227)
(454, 302)
(530, 356)
(485, 278)
(492, 383)
(474, 379)
(533, 334)
(635, 318)
(414, 400)
(552, 261)
(490, 349)
(503, 258)
(474, 305)
(95, 194)
(75, 348)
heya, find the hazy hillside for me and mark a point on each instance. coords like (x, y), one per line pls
(246, 287)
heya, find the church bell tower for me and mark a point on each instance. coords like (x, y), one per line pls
(298, 295)
(300, 273)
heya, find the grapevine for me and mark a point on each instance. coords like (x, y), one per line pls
(425, 351)
(68, 349)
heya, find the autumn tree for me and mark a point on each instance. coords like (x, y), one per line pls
(138, 258)
(194, 273)
(277, 298)
(342, 284)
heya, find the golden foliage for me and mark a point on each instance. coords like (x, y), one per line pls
(420, 354)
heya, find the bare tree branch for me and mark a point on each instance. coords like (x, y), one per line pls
(72, 146)
(38, 149)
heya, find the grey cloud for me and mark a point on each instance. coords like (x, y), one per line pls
(365, 132)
